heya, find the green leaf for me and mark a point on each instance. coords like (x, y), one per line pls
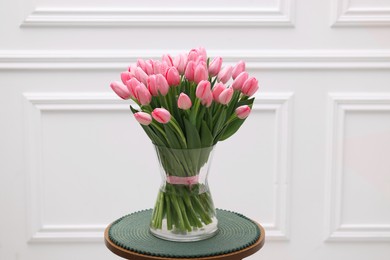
(193, 142)
(173, 139)
(155, 139)
(192, 135)
(248, 102)
(233, 103)
(220, 122)
(162, 140)
(206, 135)
(231, 129)
(133, 109)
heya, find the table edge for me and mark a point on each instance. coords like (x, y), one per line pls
(240, 254)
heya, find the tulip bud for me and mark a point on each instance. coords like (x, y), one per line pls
(225, 96)
(162, 84)
(202, 53)
(240, 67)
(141, 64)
(143, 95)
(131, 69)
(164, 68)
(143, 118)
(200, 72)
(225, 74)
(250, 86)
(180, 62)
(161, 115)
(172, 76)
(149, 67)
(240, 80)
(152, 85)
(168, 59)
(141, 75)
(126, 76)
(190, 71)
(193, 55)
(207, 100)
(243, 112)
(215, 66)
(203, 89)
(184, 102)
(159, 67)
(198, 54)
(131, 86)
(120, 89)
(217, 90)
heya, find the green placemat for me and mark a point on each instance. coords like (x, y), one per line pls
(236, 232)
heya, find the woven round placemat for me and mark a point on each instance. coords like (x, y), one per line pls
(235, 232)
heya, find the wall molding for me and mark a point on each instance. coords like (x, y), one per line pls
(35, 104)
(282, 15)
(280, 103)
(338, 105)
(345, 15)
(256, 59)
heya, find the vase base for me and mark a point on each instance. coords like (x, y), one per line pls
(198, 234)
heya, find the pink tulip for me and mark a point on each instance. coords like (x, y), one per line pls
(131, 69)
(240, 67)
(168, 59)
(193, 55)
(202, 53)
(198, 54)
(156, 64)
(240, 80)
(180, 62)
(225, 96)
(225, 74)
(190, 71)
(141, 64)
(161, 115)
(152, 85)
(250, 86)
(162, 84)
(215, 66)
(158, 84)
(172, 76)
(164, 68)
(208, 100)
(243, 112)
(203, 90)
(141, 75)
(149, 67)
(131, 86)
(143, 118)
(200, 72)
(159, 67)
(217, 90)
(184, 102)
(143, 95)
(120, 89)
(126, 76)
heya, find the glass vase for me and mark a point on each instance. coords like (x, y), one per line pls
(184, 209)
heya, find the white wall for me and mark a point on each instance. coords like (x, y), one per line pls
(311, 163)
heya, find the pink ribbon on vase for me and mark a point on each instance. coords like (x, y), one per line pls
(183, 180)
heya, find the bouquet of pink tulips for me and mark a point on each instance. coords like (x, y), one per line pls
(186, 102)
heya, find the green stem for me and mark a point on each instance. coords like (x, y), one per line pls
(194, 111)
(161, 131)
(178, 130)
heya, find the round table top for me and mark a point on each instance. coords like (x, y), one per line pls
(237, 237)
